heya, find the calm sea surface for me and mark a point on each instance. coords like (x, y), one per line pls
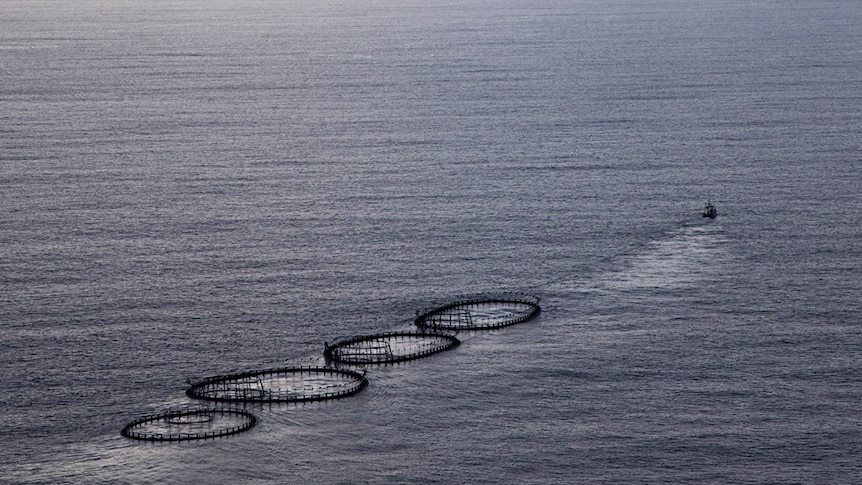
(190, 188)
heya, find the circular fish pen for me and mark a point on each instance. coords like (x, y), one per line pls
(184, 424)
(287, 384)
(480, 312)
(388, 348)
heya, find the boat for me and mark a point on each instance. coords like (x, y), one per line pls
(710, 210)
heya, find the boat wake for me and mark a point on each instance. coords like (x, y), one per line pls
(684, 260)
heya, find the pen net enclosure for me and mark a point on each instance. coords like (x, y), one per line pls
(480, 312)
(386, 348)
(187, 423)
(288, 384)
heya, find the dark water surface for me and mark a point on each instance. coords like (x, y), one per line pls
(192, 188)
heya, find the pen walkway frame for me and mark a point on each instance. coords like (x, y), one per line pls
(388, 348)
(480, 312)
(189, 423)
(286, 384)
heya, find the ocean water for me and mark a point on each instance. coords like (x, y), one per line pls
(191, 188)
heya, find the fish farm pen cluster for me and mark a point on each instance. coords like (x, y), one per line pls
(307, 383)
